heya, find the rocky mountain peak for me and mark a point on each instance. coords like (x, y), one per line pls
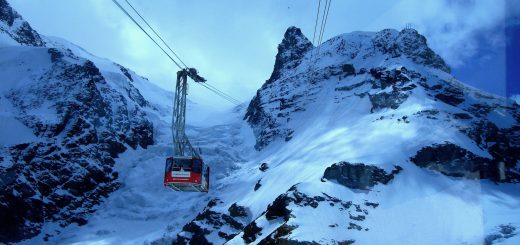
(414, 45)
(290, 51)
(409, 43)
(12, 24)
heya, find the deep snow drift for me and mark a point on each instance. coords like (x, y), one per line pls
(370, 141)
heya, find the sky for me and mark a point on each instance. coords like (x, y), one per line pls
(233, 43)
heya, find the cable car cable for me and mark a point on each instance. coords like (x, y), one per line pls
(233, 101)
(220, 91)
(316, 22)
(323, 23)
(129, 16)
(214, 90)
(157, 34)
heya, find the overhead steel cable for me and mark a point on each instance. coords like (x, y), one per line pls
(221, 92)
(206, 85)
(323, 23)
(316, 22)
(324, 20)
(142, 29)
(218, 93)
(157, 34)
(313, 53)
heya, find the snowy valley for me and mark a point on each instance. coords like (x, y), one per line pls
(369, 140)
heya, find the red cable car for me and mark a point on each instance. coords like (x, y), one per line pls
(186, 174)
(185, 171)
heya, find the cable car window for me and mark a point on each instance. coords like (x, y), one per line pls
(176, 164)
(169, 162)
(197, 166)
(186, 164)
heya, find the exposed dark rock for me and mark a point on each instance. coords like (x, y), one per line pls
(197, 237)
(237, 211)
(504, 232)
(347, 242)
(255, 113)
(226, 236)
(390, 100)
(232, 222)
(213, 202)
(354, 86)
(450, 160)
(23, 33)
(264, 167)
(348, 69)
(354, 226)
(56, 55)
(359, 217)
(277, 237)
(279, 207)
(258, 185)
(126, 73)
(449, 99)
(71, 165)
(455, 161)
(462, 116)
(359, 175)
(250, 232)
(372, 204)
(290, 51)
(210, 221)
(412, 44)
(385, 78)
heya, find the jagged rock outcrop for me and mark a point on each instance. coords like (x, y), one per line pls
(358, 175)
(290, 52)
(455, 161)
(12, 24)
(502, 233)
(290, 89)
(224, 225)
(281, 214)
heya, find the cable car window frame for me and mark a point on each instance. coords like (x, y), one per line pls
(169, 164)
(197, 165)
(185, 164)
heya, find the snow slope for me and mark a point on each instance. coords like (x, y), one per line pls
(382, 99)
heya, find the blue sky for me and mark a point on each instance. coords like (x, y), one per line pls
(233, 43)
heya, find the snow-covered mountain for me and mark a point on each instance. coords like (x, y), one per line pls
(369, 140)
(64, 121)
(366, 139)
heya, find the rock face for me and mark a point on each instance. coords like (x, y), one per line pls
(224, 225)
(290, 91)
(286, 210)
(413, 45)
(358, 176)
(455, 161)
(12, 24)
(503, 232)
(290, 52)
(80, 122)
(276, 112)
